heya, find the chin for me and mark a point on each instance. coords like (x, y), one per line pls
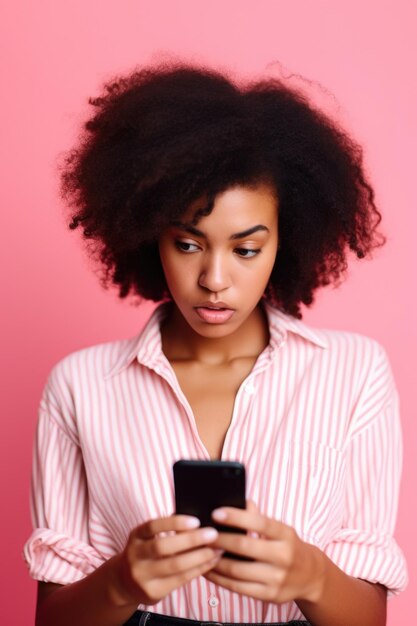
(214, 330)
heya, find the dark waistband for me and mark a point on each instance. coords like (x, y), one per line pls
(146, 618)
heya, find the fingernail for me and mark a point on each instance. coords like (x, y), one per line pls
(219, 553)
(209, 533)
(192, 522)
(219, 514)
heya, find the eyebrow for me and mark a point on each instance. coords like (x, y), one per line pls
(198, 233)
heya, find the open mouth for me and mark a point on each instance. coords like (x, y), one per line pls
(215, 308)
(214, 315)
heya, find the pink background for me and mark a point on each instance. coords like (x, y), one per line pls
(56, 54)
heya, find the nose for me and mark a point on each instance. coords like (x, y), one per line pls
(215, 274)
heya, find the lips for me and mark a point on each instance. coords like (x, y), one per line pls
(214, 305)
(214, 312)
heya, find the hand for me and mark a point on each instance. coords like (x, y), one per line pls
(284, 567)
(151, 565)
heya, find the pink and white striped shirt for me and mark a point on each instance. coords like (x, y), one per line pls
(315, 423)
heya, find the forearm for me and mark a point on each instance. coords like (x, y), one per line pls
(150, 567)
(93, 601)
(341, 600)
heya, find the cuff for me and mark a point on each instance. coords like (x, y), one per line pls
(54, 557)
(371, 556)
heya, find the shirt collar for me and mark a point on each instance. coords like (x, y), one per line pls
(280, 324)
(146, 347)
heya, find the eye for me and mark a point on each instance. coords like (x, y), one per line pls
(185, 246)
(246, 253)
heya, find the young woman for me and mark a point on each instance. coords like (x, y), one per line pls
(230, 205)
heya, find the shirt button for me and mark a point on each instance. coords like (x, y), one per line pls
(250, 389)
(213, 601)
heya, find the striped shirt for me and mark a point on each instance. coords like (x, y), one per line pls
(315, 423)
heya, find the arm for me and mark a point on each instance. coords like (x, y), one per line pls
(343, 600)
(94, 591)
(149, 568)
(89, 601)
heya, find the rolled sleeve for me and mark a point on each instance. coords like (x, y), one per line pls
(53, 557)
(58, 550)
(365, 547)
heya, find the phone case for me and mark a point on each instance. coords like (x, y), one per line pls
(201, 486)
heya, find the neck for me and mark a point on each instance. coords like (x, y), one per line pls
(181, 343)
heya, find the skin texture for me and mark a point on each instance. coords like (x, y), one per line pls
(215, 263)
(209, 267)
(219, 266)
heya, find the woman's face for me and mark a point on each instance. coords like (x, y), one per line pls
(217, 270)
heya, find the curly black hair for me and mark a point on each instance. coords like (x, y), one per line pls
(166, 135)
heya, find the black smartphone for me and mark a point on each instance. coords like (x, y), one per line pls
(201, 486)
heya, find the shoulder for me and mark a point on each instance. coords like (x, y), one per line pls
(94, 361)
(359, 356)
(353, 372)
(77, 383)
(335, 355)
(80, 376)
(91, 367)
(352, 344)
(358, 366)
(326, 343)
